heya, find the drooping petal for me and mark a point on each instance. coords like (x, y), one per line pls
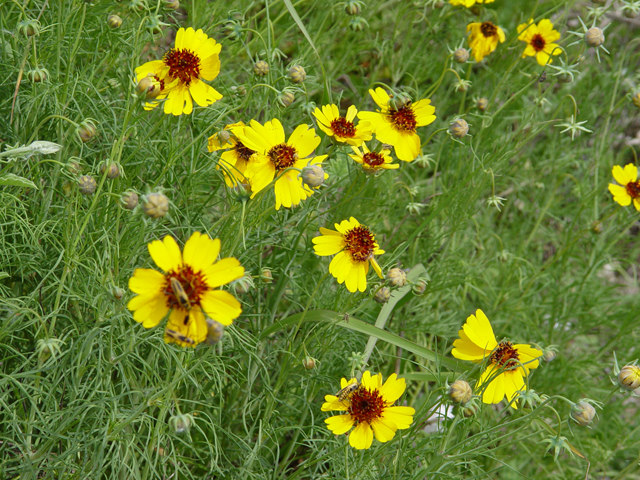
(203, 93)
(479, 331)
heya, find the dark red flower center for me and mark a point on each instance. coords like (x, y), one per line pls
(343, 127)
(283, 156)
(366, 405)
(193, 285)
(244, 153)
(633, 189)
(404, 118)
(360, 243)
(488, 29)
(183, 64)
(373, 159)
(538, 43)
(505, 355)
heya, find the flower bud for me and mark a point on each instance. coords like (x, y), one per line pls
(461, 55)
(313, 176)
(420, 286)
(154, 24)
(112, 169)
(156, 205)
(47, 348)
(243, 284)
(396, 102)
(239, 90)
(266, 276)
(261, 68)
(129, 200)
(137, 5)
(358, 24)
(286, 98)
(582, 413)
(224, 136)
(215, 331)
(148, 88)
(86, 131)
(482, 104)
(114, 21)
(171, 4)
(635, 98)
(117, 292)
(309, 363)
(596, 227)
(38, 75)
(629, 377)
(181, 423)
(594, 37)
(87, 185)
(459, 128)
(297, 74)
(353, 7)
(29, 27)
(630, 11)
(242, 192)
(397, 277)
(549, 354)
(470, 409)
(382, 295)
(460, 392)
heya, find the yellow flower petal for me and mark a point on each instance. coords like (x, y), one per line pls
(479, 331)
(620, 194)
(393, 388)
(145, 281)
(400, 416)
(166, 254)
(186, 329)
(339, 424)
(223, 272)
(361, 437)
(203, 94)
(221, 306)
(382, 431)
(200, 251)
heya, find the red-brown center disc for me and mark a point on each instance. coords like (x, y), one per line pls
(505, 355)
(366, 405)
(343, 128)
(244, 153)
(183, 64)
(538, 43)
(283, 156)
(373, 159)
(404, 118)
(360, 243)
(633, 189)
(488, 29)
(192, 283)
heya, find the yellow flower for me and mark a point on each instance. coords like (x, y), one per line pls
(373, 161)
(507, 365)
(370, 409)
(469, 3)
(629, 188)
(484, 38)
(186, 290)
(539, 39)
(342, 128)
(181, 71)
(236, 158)
(397, 126)
(275, 157)
(355, 247)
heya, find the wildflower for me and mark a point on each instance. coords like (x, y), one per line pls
(468, 3)
(155, 205)
(236, 157)
(47, 348)
(370, 409)
(342, 129)
(373, 161)
(266, 275)
(495, 201)
(420, 286)
(460, 392)
(38, 75)
(628, 188)
(181, 423)
(484, 38)
(275, 157)
(583, 413)
(87, 185)
(558, 444)
(297, 74)
(354, 247)
(186, 289)
(539, 39)
(629, 377)
(507, 363)
(243, 285)
(181, 72)
(261, 68)
(396, 122)
(171, 4)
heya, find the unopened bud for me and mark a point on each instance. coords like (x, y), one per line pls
(382, 295)
(87, 184)
(112, 170)
(243, 284)
(148, 88)
(114, 21)
(460, 392)
(482, 104)
(156, 205)
(594, 37)
(358, 24)
(47, 348)
(261, 68)
(549, 354)
(29, 27)
(461, 55)
(630, 11)
(38, 75)
(239, 90)
(215, 331)
(286, 98)
(297, 74)
(309, 363)
(459, 128)
(129, 200)
(629, 377)
(582, 413)
(117, 292)
(635, 98)
(181, 423)
(397, 277)
(266, 276)
(313, 176)
(596, 227)
(171, 4)
(396, 102)
(420, 286)
(469, 410)
(86, 131)
(353, 7)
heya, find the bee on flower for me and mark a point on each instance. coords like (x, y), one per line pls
(236, 157)
(342, 129)
(540, 40)
(354, 247)
(180, 74)
(508, 364)
(628, 189)
(483, 38)
(369, 407)
(186, 290)
(373, 162)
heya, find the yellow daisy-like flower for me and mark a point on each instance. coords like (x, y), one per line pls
(342, 128)
(370, 409)
(484, 38)
(629, 188)
(354, 247)
(236, 158)
(468, 3)
(275, 155)
(397, 126)
(539, 39)
(508, 364)
(373, 161)
(193, 58)
(186, 289)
